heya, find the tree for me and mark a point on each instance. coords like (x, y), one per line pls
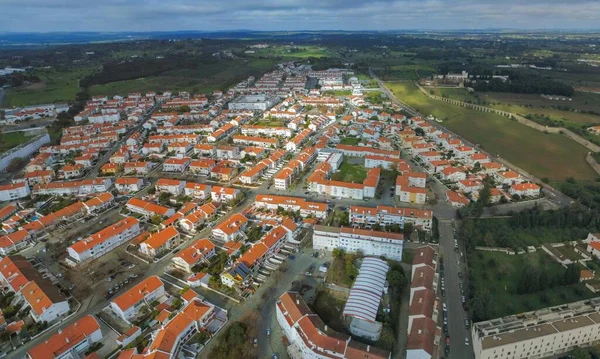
(579, 353)
(337, 253)
(156, 219)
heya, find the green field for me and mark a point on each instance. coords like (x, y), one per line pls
(54, 87)
(271, 122)
(548, 155)
(207, 78)
(529, 104)
(13, 139)
(495, 276)
(351, 141)
(350, 173)
(289, 52)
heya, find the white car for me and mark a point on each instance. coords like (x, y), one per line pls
(467, 341)
(444, 306)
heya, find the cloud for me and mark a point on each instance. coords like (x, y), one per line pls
(157, 15)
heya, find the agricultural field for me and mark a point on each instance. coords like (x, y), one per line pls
(350, 173)
(529, 104)
(495, 279)
(207, 78)
(55, 87)
(549, 155)
(292, 52)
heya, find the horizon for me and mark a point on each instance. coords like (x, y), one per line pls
(294, 15)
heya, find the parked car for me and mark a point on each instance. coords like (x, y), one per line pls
(268, 332)
(467, 341)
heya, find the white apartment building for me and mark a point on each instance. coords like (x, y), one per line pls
(102, 242)
(14, 191)
(386, 215)
(253, 102)
(127, 304)
(539, 334)
(369, 242)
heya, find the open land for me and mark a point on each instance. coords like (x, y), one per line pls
(549, 155)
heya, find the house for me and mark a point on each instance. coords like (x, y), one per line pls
(202, 166)
(594, 248)
(453, 174)
(129, 184)
(469, 186)
(223, 173)
(129, 303)
(456, 199)
(200, 251)
(197, 190)
(172, 186)
(14, 241)
(110, 168)
(224, 194)
(508, 177)
(193, 220)
(160, 241)
(230, 229)
(103, 241)
(525, 190)
(228, 152)
(39, 176)
(174, 164)
(148, 209)
(141, 167)
(71, 341)
(99, 202)
(14, 191)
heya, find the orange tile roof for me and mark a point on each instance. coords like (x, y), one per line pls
(232, 224)
(195, 252)
(253, 254)
(159, 239)
(138, 292)
(148, 206)
(100, 236)
(65, 339)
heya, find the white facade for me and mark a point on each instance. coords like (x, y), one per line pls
(368, 242)
(22, 151)
(14, 191)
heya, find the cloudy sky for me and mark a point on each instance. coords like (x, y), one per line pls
(162, 15)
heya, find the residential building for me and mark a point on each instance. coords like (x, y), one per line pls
(200, 251)
(306, 208)
(310, 338)
(525, 190)
(230, 229)
(160, 241)
(224, 194)
(172, 186)
(102, 242)
(129, 184)
(129, 303)
(14, 191)
(148, 209)
(69, 342)
(369, 242)
(174, 164)
(547, 332)
(387, 215)
(197, 190)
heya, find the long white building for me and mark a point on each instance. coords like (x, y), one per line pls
(102, 242)
(539, 334)
(370, 243)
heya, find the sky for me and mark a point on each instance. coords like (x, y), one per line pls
(272, 15)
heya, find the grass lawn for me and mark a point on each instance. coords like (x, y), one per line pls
(352, 141)
(297, 52)
(205, 79)
(13, 139)
(548, 155)
(499, 273)
(54, 87)
(350, 173)
(271, 123)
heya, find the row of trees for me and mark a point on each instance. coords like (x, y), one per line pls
(534, 279)
(523, 83)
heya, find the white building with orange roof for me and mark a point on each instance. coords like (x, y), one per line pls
(148, 208)
(175, 164)
(491, 167)
(310, 338)
(99, 202)
(14, 191)
(508, 177)
(202, 166)
(102, 242)
(456, 200)
(469, 186)
(197, 190)
(172, 186)
(369, 242)
(140, 167)
(230, 229)
(193, 220)
(205, 149)
(128, 184)
(388, 215)
(201, 251)
(525, 190)
(129, 303)
(224, 194)
(160, 241)
(373, 161)
(453, 174)
(71, 341)
(39, 176)
(14, 241)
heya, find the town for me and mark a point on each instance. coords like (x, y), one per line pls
(296, 211)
